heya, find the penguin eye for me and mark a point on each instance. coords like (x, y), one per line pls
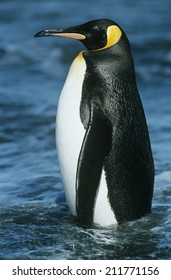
(95, 29)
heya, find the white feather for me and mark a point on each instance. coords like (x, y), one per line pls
(69, 129)
(69, 137)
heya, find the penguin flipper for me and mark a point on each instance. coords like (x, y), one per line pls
(95, 147)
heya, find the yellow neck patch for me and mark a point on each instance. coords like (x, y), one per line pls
(113, 35)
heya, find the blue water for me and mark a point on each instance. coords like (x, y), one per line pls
(35, 222)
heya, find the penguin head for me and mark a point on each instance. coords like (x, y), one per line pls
(95, 35)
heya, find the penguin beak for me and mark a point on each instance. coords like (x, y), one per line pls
(68, 33)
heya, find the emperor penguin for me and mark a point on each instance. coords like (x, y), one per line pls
(102, 137)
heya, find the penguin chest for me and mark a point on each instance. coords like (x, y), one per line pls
(69, 129)
(69, 138)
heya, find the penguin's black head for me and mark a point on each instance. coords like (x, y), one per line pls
(95, 34)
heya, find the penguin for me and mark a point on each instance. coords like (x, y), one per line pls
(103, 143)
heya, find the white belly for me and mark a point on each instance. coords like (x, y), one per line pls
(69, 137)
(69, 129)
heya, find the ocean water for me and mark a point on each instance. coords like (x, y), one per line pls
(35, 222)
